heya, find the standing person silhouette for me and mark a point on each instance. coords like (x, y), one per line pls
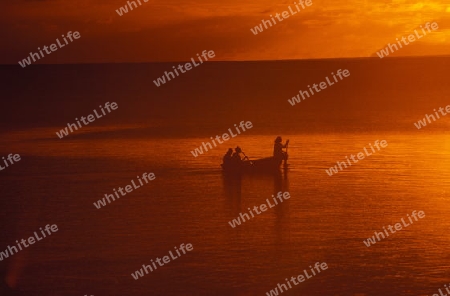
(278, 152)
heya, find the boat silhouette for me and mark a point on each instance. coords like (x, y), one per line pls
(235, 164)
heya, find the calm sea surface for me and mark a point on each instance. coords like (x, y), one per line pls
(190, 201)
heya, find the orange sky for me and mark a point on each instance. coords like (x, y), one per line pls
(176, 30)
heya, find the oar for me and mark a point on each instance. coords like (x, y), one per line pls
(247, 157)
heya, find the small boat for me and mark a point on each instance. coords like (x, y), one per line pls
(234, 164)
(268, 164)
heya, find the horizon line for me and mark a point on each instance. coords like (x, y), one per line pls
(243, 61)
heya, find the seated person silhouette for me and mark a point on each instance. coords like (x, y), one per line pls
(227, 158)
(237, 155)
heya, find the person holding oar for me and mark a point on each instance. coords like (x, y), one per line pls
(278, 152)
(237, 154)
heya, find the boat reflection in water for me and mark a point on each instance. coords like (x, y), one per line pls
(252, 188)
(263, 170)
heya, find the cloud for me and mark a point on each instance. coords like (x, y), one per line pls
(170, 30)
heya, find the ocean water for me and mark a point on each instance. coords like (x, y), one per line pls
(326, 219)
(191, 201)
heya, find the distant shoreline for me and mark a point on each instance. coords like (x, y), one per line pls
(374, 58)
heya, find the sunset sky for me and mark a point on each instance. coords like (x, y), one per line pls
(176, 30)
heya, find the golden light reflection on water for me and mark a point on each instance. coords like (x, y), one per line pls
(326, 218)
